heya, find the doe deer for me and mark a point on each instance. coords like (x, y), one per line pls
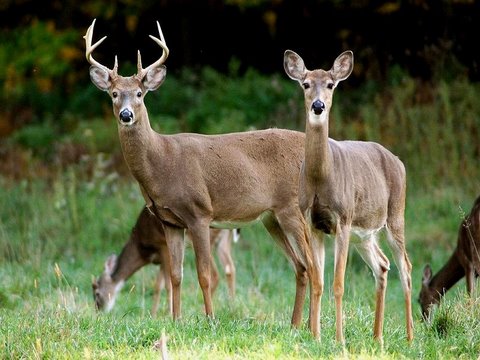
(147, 245)
(193, 181)
(345, 187)
(465, 261)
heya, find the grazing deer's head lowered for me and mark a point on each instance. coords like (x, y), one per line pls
(428, 296)
(192, 182)
(105, 289)
(147, 245)
(345, 187)
(465, 261)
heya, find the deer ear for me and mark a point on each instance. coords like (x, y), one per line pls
(294, 65)
(427, 275)
(110, 264)
(100, 78)
(343, 66)
(94, 283)
(155, 77)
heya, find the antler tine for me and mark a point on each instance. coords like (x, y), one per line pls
(89, 48)
(163, 44)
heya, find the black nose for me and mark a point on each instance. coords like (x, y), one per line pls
(126, 116)
(318, 107)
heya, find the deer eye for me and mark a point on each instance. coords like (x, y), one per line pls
(330, 86)
(114, 94)
(139, 94)
(306, 85)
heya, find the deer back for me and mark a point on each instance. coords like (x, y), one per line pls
(209, 174)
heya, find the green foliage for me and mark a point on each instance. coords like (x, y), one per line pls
(34, 63)
(38, 137)
(99, 135)
(210, 102)
(83, 105)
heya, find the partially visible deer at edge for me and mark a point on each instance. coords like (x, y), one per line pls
(349, 187)
(147, 245)
(192, 182)
(465, 261)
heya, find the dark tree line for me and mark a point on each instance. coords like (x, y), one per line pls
(421, 36)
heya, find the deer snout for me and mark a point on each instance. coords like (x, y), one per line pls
(126, 116)
(318, 106)
(98, 305)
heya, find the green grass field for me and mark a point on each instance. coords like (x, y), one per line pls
(55, 237)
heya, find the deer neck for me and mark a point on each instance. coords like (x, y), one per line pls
(129, 260)
(318, 158)
(136, 141)
(447, 276)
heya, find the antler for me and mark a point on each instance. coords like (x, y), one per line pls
(162, 43)
(89, 49)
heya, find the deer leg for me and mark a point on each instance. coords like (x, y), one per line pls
(215, 235)
(470, 278)
(159, 284)
(341, 254)
(224, 252)
(162, 281)
(317, 246)
(174, 237)
(200, 235)
(379, 264)
(275, 230)
(214, 276)
(396, 240)
(167, 270)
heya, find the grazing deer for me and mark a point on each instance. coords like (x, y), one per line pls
(465, 261)
(147, 245)
(349, 186)
(193, 181)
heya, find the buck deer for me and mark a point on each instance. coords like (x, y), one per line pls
(349, 186)
(147, 245)
(465, 261)
(193, 181)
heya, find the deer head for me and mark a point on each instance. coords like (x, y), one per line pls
(428, 297)
(127, 93)
(318, 85)
(104, 288)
